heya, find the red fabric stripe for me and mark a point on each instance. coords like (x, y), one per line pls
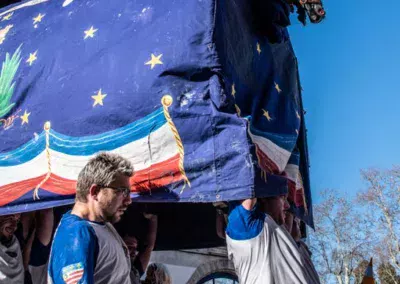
(15, 190)
(156, 175)
(295, 194)
(266, 163)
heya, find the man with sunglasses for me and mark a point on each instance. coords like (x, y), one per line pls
(86, 247)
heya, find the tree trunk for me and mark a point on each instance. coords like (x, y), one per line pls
(339, 279)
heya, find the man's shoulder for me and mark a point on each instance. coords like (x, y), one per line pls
(71, 221)
(72, 227)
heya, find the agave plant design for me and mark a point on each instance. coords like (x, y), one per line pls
(8, 71)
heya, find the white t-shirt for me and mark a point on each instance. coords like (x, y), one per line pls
(262, 251)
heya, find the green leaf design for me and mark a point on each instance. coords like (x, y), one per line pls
(7, 86)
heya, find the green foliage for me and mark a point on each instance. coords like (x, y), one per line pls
(7, 86)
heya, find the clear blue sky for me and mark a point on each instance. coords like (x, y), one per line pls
(350, 73)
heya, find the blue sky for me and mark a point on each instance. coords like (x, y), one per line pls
(349, 69)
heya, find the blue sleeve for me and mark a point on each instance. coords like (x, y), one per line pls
(73, 255)
(244, 224)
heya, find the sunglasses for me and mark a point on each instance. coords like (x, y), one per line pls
(124, 190)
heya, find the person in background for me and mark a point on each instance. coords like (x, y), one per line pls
(86, 247)
(289, 217)
(140, 259)
(304, 251)
(11, 264)
(260, 247)
(221, 210)
(157, 273)
(35, 235)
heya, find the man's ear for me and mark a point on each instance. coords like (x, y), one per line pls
(94, 191)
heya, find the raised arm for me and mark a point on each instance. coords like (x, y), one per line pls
(44, 225)
(249, 204)
(144, 256)
(245, 220)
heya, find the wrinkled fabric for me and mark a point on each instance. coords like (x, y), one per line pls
(11, 266)
(263, 252)
(192, 92)
(309, 265)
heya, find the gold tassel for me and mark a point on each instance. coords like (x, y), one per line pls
(167, 102)
(46, 127)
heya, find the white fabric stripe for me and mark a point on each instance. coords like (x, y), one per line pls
(34, 168)
(277, 154)
(26, 4)
(293, 173)
(163, 147)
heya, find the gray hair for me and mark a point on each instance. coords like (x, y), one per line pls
(101, 169)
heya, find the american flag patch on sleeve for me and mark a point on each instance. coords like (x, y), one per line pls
(73, 273)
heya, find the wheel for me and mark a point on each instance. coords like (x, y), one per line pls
(214, 272)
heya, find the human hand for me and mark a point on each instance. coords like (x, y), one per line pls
(149, 216)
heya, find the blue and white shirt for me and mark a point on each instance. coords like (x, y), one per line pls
(88, 252)
(262, 251)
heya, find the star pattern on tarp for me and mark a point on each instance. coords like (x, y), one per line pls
(98, 99)
(25, 117)
(7, 17)
(155, 60)
(233, 91)
(267, 115)
(32, 58)
(259, 48)
(90, 32)
(38, 18)
(277, 88)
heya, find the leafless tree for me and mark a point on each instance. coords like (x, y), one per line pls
(341, 238)
(387, 274)
(359, 271)
(382, 201)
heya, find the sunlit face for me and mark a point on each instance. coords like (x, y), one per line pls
(8, 226)
(276, 207)
(111, 204)
(283, 205)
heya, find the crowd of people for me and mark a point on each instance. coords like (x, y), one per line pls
(262, 235)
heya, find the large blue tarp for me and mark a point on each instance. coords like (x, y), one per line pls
(192, 92)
